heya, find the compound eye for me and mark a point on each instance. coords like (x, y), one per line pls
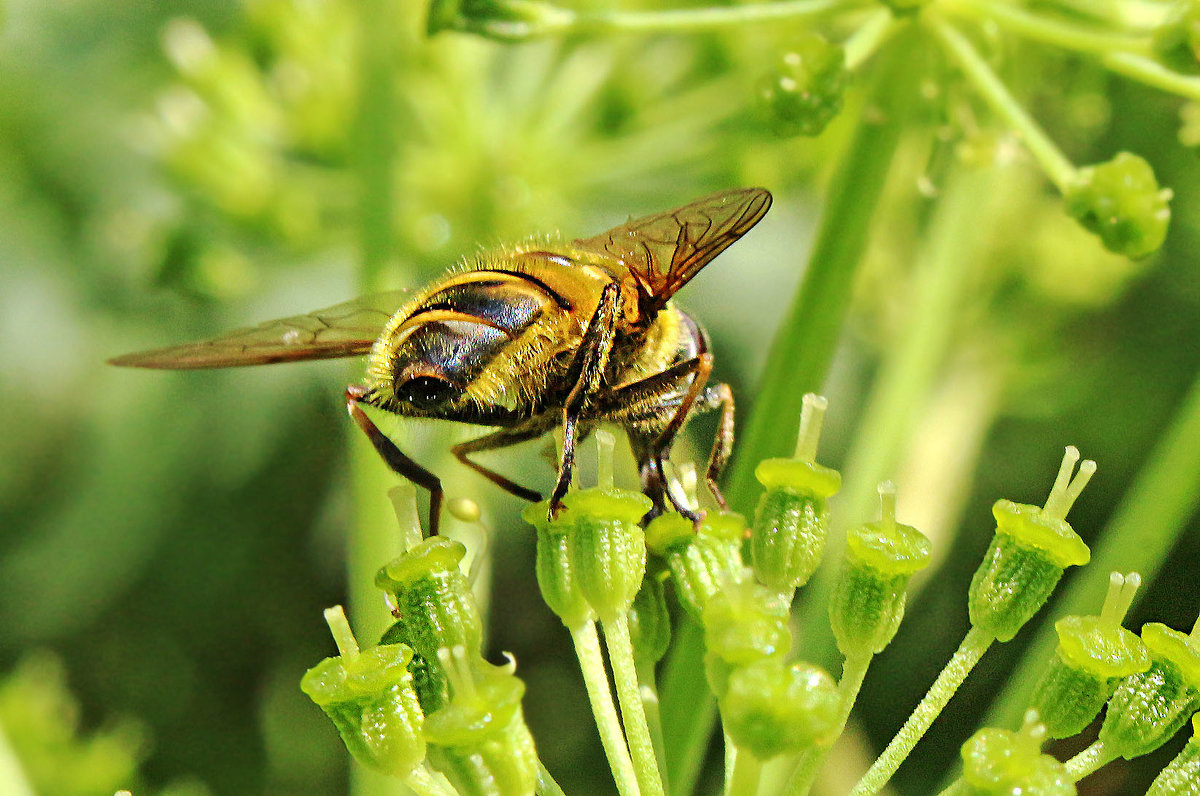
(425, 392)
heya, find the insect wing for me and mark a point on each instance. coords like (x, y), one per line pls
(343, 330)
(662, 252)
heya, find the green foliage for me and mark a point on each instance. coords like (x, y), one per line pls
(170, 170)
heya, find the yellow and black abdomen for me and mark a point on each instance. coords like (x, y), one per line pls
(480, 344)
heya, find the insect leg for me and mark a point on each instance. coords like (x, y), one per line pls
(395, 458)
(722, 443)
(654, 399)
(590, 362)
(499, 439)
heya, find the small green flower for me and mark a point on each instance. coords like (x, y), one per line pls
(602, 548)
(792, 519)
(804, 90)
(1121, 202)
(650, 622)
(1149, 707)
(369, 696)
(1001, 763)
(868, 599)
(700, 561)
(434, 610)
(743, 623)
(1181, 777)
(1029, 552)
(479, 739)
(1094, 654)
(771, 708)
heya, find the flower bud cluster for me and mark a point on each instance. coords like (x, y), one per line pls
(426, 694)
(803, 93)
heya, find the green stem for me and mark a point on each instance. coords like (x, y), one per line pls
(747, 770)
(652, 707)
(973, 645)
(689, 710)
(372, 538)
(637, 729)
(1153, 74)
(909, 370)
(591, 663)
(546, 785)
(804, 343)
(1089, 760)
(1059, 33)
(1060, 170)
(865, 41)
(1144, 529)
(688, 20)
(854, 671)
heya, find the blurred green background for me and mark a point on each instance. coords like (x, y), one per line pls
(170, 170)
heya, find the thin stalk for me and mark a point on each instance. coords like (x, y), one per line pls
(973, 645)
(546, 784)
(12, 774)
(747, 771)
(1046, 30)
(1089, 760)
(689, 709)
(650, 704)
(854, 671)
(1143, 530)
(690, 20)
(1058, 168)
(637, 729)
(591, 663)
(373, 537)
(865, 41)
(1152, 73)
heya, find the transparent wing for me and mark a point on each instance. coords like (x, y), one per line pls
(343, 330)
(661, 252)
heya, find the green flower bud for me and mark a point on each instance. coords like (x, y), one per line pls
(1121, 202)
(434, 609)
(1182, 776)
(867, 603)
(771, 708)
(792, 519)
(804, 91)
(555, 576)
(1177, 39)
(1094, 654)
(502, 20)
(1001, 763)
(1149, 707)
(700, 562)
(369, 696)
(607, 547)
(479, 739)
(1031, 549)
(649, 622)
(743, 623)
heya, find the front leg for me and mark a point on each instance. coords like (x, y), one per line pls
(395, 458)
(591, 359)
